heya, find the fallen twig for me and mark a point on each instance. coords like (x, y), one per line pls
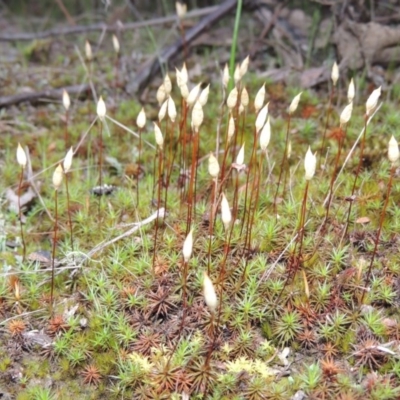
(158, 214)
(118, 27)
(268, 271)
(151, 67)
(34, 97)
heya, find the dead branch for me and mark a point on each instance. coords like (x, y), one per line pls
(152, 67)
(158, 214)
(50, 94)
(118, 27)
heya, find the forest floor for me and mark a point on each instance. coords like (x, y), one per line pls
(308, 296)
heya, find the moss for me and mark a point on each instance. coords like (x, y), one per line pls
(129, 310)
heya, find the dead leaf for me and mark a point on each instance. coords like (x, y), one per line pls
(361, 44)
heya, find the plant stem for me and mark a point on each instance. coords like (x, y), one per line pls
(138, 166)
(182, 139)
(235, 204)
(69, 216)
(184, 311)
(381, 220)
(328, 114)
(227, 146)
(360, 164)
(90, 83)
(116, 82)
(299, 240)
(191, 200)
(169, 162)
(250, 221)
(100, 163)
(21, 175)
(303, 219)
(160, 168)
(284, 158)
(213, 210)
(248, 211)
(334, 174)
(54, 248)
(66, 136)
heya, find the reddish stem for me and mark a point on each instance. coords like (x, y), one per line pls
(360, 164)
(381, 220)
(327, 120)
(69, 215)
(138, 166)
(20, 214)
(284, 158)
(160, 165)
(54, 248)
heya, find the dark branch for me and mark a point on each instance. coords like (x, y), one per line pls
(118, 27)
(50, 94)
(147, 72)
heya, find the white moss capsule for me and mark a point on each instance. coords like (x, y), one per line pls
(335, 73)
(260, 98)
(265, 135)
(141, 119)
(67, 163)
(158, 136)
(232, 98)
(101, 109)
(294, 104)
(66, 100)
(203, 98)
(181, 9)
(184, 75)
(21, 156)
(261, 118)
(346, 114)
(188, 246)
(213, 166)
(181, 76)
(171, 109)
(161, 94)
(88, 51)
(244, 66)
(210, 296)
(57, 177)
(197, 116)
(393, 150)
(193, 94)
(115, 42)
(162, 111)
(226, 214)
(244, 98)
(184, 91)
(372, 101)
(289, 149)
(240, 157)
(167, 84)
(178, 75)
(310, 163)
(236, 74)
(351, 91)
